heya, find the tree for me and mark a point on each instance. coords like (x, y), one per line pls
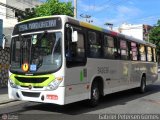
(155, 37)
(54, 7)
(50, 7)
(27, 14)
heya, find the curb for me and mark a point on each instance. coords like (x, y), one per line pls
(4, 99)
(7, 101)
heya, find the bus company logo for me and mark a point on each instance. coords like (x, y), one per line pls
(30, 87)
(4, 117)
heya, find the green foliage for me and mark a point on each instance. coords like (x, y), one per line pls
(50, 7)
(54, 7)
(155, 37)
(27, 14)
(30, 13)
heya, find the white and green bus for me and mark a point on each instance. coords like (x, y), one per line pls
(60, 60)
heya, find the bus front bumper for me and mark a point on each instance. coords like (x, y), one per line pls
(55, 96)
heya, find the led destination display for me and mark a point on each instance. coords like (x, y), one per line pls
(38, 25)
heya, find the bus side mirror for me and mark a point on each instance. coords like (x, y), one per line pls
(74, 36)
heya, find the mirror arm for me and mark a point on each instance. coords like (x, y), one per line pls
(3, 42)
(73, 33)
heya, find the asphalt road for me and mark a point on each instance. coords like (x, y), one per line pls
(130, 102)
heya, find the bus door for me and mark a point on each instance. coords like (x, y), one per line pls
(111, 62)
(135, 73)
(75, 54)
(124, 63)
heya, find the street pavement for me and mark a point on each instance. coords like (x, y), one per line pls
(126, 102)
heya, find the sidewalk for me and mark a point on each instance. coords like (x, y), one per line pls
(4, 96)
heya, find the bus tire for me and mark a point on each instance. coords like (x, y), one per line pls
(143, 85)
(95, 95)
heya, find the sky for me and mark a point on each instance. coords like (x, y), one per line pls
(118, 12)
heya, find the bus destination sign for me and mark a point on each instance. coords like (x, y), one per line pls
(37, 25)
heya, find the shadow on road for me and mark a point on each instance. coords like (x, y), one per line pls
(119, 98)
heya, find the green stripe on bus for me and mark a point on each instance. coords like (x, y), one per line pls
(51, 77)
(87, 25)
(81, 76)
(36, 18)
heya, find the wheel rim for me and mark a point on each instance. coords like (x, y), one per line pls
(95, 94)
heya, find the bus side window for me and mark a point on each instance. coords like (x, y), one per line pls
(149, 54)
(80, 46)
(75, 51)
(124, 49)
(109, 47)
(154, 55)
(68, 48)
(142, 52)
(134, 51)
(94, 45)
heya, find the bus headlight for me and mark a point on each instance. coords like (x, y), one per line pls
(54, 85)
(12, 84)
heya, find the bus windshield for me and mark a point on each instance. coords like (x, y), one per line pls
(36, 53)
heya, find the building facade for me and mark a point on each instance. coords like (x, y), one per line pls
(139, 31)
(7, 15)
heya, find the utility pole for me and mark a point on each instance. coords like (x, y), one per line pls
(75, 8)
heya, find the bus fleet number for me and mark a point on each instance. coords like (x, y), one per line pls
(103, 70)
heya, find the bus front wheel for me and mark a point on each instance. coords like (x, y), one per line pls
(95, 95)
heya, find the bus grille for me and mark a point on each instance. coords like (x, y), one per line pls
(31, 80)
(32, 86)
(31, 94)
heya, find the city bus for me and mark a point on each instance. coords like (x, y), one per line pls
(61, 60)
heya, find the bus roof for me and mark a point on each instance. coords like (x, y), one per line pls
(93, 27)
